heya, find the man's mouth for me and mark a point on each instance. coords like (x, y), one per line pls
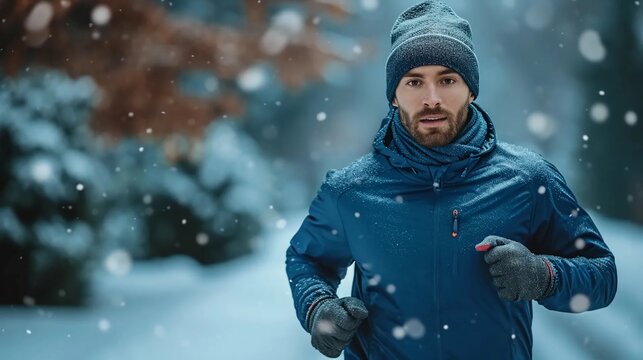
(430, 119)
(433, 121)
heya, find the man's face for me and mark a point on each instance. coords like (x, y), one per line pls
(434, 104)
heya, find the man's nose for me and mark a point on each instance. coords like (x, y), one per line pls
(431, 97)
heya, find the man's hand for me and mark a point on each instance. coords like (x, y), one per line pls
(334, 323)
(517, 273)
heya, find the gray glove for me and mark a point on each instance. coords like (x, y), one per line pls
(517, 273)
(334, 323)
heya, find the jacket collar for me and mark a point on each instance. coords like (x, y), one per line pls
(436, 175)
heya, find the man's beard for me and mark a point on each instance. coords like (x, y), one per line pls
(439, 136)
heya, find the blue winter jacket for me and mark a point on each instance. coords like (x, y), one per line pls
(411, 234)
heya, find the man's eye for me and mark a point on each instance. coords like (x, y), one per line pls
(448, 81)
(413, 82)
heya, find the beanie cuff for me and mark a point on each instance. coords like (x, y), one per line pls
(431, 49)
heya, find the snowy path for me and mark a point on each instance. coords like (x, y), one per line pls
(173, 309)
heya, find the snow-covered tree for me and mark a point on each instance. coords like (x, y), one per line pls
(50, 188)
(208, 202)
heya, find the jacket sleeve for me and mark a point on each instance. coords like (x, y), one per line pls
(584, 267)
(318, 255)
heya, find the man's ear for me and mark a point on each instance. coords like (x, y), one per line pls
(471, 97)
(394, 102)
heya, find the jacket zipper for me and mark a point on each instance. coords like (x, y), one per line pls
(436, 248)
(454, 246)
(454, 230)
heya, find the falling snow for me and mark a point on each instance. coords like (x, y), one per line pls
(281, 224)
(286, 25)
(118, 262)
(390, 288)
(39, 17)
(104, 325)
(398, 332)
(273, 42)
(101, 14)
(370, 5)
(325, 327)
(591, 46)
(202, 239)
(375, 280)
(541, 125)
(252, 79)
(631, 118)
(579, 243)
(289, 21)
(42, 170)
(579, 303)
(28, 300)
(599, 112)
(414, 328)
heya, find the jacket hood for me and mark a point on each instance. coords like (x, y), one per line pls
(451, 172)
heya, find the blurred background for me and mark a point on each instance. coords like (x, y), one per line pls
(157, 156)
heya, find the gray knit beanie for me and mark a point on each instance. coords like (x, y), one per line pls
(430, 33)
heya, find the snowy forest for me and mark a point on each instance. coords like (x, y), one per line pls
(157, 157)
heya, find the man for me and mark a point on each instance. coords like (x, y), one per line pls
(452, 233)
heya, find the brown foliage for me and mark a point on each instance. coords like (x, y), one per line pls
(137, 55)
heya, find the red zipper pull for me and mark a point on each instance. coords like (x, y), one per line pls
(483, 248)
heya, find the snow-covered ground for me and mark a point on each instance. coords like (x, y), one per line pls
(176, 309)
